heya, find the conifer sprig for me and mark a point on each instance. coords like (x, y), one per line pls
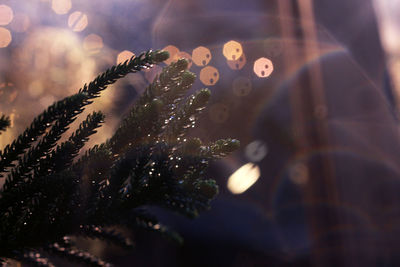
(148, 161)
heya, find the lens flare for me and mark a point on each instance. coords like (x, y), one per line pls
(242, 86)
(237, 64)
(243, 178)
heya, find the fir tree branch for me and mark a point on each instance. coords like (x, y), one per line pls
(110, 236)
(75, 255)
(76, 102)
(4, 122)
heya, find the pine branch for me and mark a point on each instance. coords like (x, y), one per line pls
(110, 236)
(76, 102)
(75, 255)
(4, 122)
(148, 161)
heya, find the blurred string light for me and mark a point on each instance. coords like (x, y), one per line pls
(219, 113)
(124, 55)
(263, 67)
(232, 50)
(241, 86)
(5, 37)
(256, 151)
(209, 75)
(172, 50)
(237, 64)
(20, 23)
(77, 21)
(201, 56)
(6, 15)
(93, 43)
(61, 7)
(243, 178)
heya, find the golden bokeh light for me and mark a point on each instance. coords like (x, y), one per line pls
(184, 55)
(209, 75)
(263, 67)
(93, 43)
(77, 21)
(20, 23)
(6, 15)
(124, 55)
(5, 37)
(61, 6)
(243, 178)
(242, 86)
(219, 113)
(201, 56)
(232, 50)
(237, 64)
(172, 50)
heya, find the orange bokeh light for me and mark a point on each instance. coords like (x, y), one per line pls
(6, 15)
(124, 55)
(61, 6)
(77, 21)
(5, 37)
(93, 43)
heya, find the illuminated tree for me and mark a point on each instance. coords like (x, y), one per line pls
(50, 194)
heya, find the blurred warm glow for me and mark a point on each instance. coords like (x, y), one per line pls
(5, 37)
(209, 75)
(232, 50)
(77, 21)
(6, 15)
(61, 6)
(243, 178)
(35, 88)
(263, 67)
(124, 55)
(241, 86)
(219, 113)
(184, 55)
(93, 43)
(256, 151)
(201, 56)
(237, 64)
(20, 23)
(173, 50)
(298, 174)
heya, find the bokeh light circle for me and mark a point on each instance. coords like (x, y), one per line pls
(209, 75)
(5, 37)
(263, 67)
(232, 50)
(77, 21)
(201, 56)
(6, 15)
